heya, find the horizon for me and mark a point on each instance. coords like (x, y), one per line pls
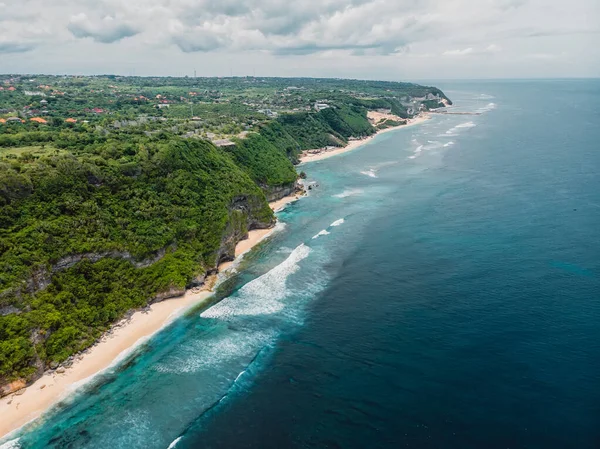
(416, 81)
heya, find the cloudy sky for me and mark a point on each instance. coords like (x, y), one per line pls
(384, 39)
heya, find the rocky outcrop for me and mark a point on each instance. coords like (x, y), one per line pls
(70, 261)
(172, 292)
(7, 310)
(274, 193)
(242, 218)
(41, 277)
(12, 387)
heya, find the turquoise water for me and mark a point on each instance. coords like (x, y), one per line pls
(440, 288)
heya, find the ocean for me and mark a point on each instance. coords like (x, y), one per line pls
(438, 288)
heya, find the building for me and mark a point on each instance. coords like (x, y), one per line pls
(39, 120)
(70, 120)
(320, 106)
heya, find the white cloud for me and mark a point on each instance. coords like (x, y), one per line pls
(463, 52)
(493, 48)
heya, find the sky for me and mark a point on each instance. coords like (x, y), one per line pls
(377, 39)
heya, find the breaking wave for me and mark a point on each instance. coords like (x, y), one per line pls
(174, 443)
(449, 144)
(371, 173)
(348, 192)
(234, 336)
(262, 295)
(487, 108)
(337, 223)
(12, 444)
(453, 131)
(322, 233)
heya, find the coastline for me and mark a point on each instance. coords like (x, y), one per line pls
(25, 405)
(28, 404)
(304, 158)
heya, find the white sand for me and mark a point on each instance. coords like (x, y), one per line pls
(310, 157)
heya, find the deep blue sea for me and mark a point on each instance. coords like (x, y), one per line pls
(440, 288)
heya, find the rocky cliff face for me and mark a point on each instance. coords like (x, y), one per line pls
(242, 218)
(274, 193)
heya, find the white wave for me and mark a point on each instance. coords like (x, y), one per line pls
(454, 130)
(446, 145)
(262, 295)
(174, 443)
(485, 97)
(12, 444)
(349, 192)
(371, 173)
(417, 152)
(487, 108)
(337, 223)
(322, 233)
(213, 350)
(234, 337)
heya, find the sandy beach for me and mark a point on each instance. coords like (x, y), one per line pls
(28, 404)
(358, 143)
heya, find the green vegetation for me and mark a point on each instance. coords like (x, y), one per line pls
(116, 194)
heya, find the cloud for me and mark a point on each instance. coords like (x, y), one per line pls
(399, 35)
(492, 48)
(463, 52)
(106, 30)
(15, 47)
(543, 56)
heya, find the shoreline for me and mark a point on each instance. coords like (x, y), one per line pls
(20, 408)
(325, 154)
(28, 404)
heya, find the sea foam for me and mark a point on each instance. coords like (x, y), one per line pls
(234, 336)
(372, 173)
(262, 295)
(487, 108)
(457, 128)
(348, 192)
(337, 223)
(174, 443)
(12, 444)
(322, 233)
